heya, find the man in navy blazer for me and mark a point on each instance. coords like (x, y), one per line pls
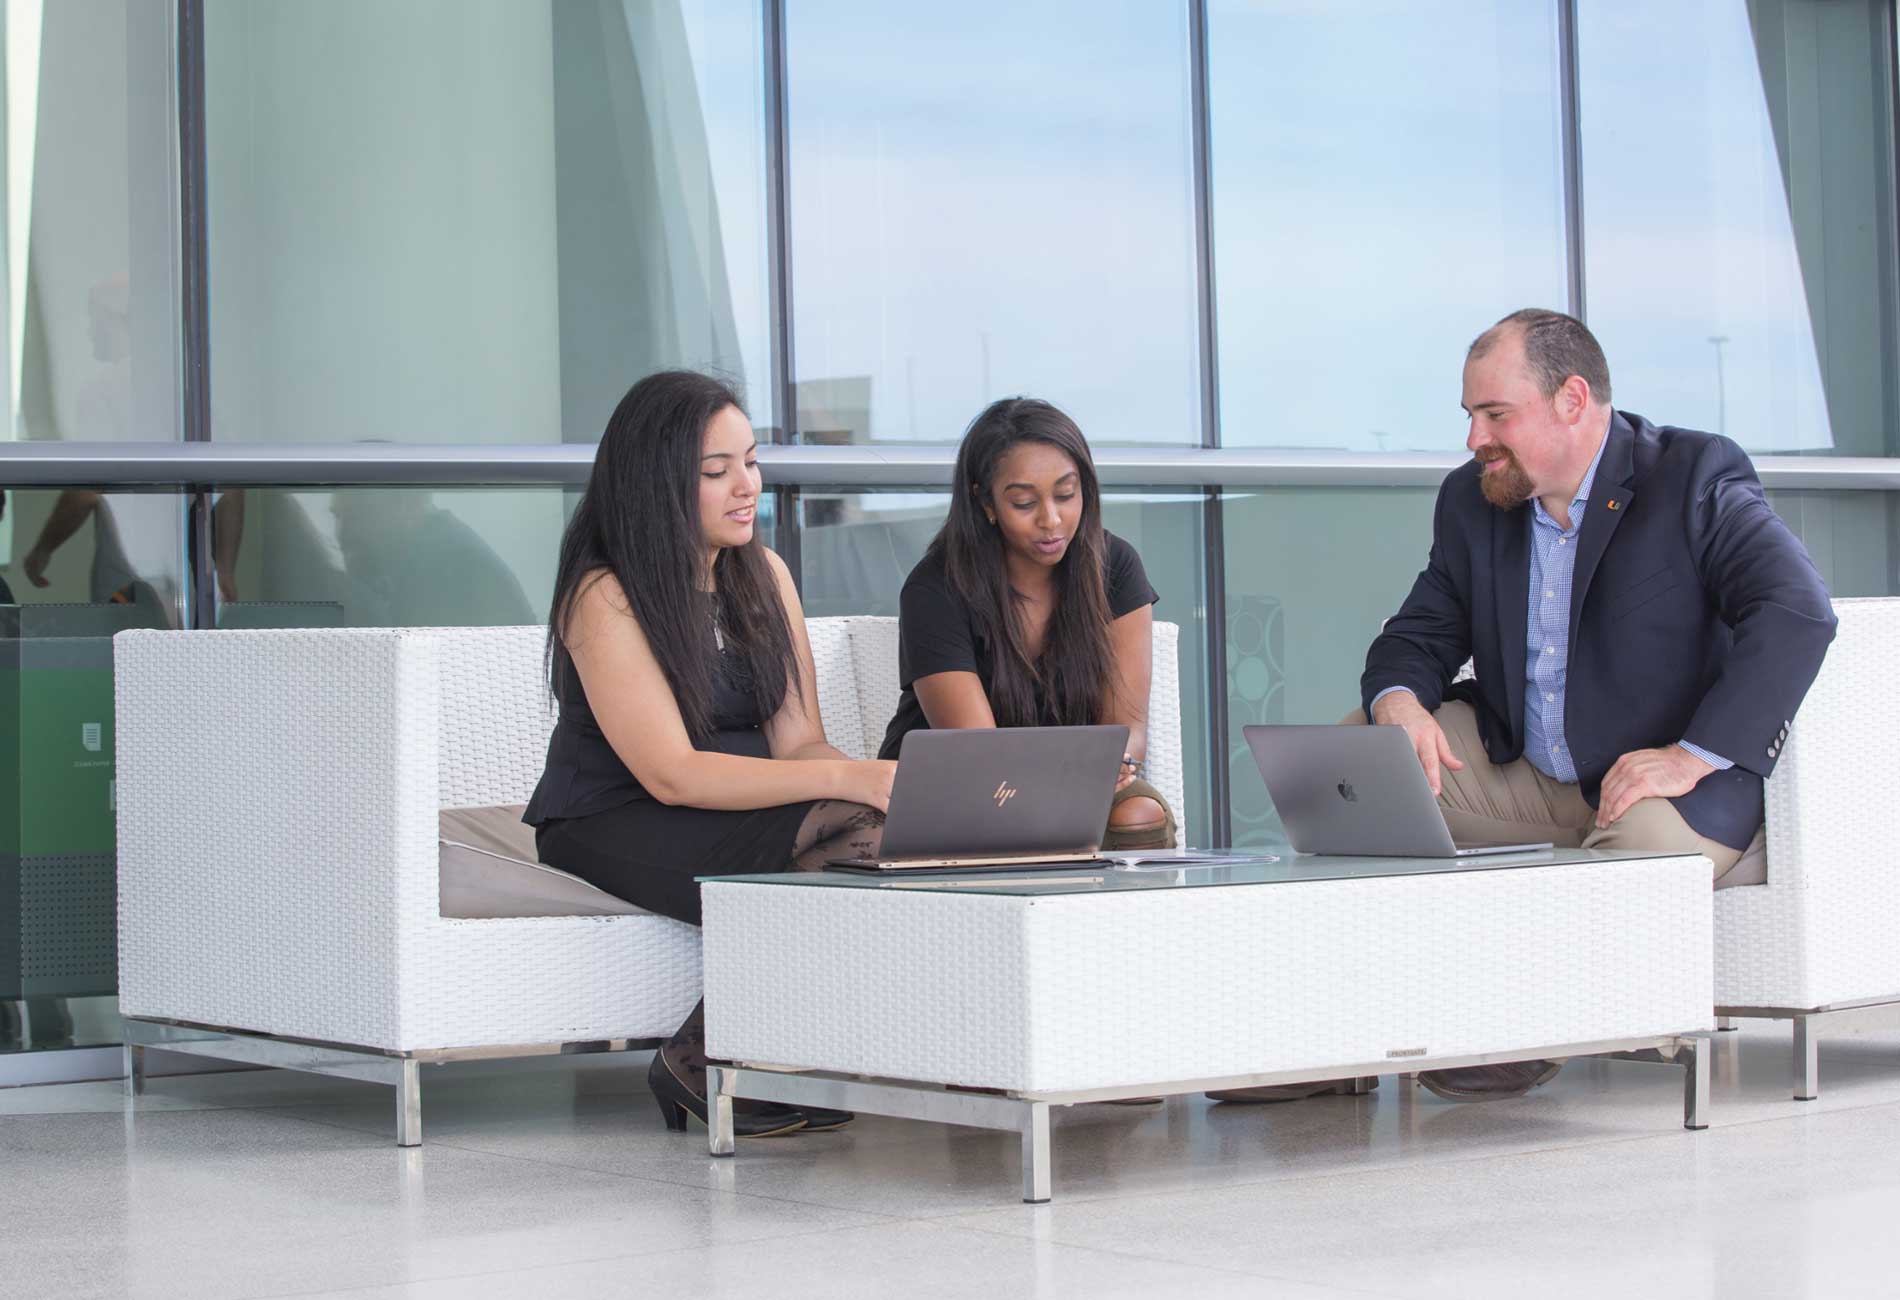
(1641, 625)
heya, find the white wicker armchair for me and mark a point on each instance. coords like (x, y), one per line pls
(1817, 941)
(278, 794)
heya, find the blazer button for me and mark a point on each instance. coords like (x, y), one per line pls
(1771, 751)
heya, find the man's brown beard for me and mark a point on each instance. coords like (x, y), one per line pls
(1509, 487)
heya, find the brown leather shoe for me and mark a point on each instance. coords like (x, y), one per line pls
(1287, 1091)
(1490, 1082)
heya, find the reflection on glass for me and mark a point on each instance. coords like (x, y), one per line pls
(1300, 616)
(87, 263)
(1853, 537)
(857, 548)
(478, 220)
(1386, 184)
(398, 557)
(79, 567)
(991, 199)
(1738, 165)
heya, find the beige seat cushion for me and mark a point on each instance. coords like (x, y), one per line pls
(488, 870)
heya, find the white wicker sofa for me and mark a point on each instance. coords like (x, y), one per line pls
(278, 801)
(1819, 942)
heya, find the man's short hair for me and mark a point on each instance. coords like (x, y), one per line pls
(1556, 347)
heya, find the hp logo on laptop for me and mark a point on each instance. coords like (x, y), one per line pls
(1004, 793)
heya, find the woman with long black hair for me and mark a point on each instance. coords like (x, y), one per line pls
(689, 741)
(1026, 612)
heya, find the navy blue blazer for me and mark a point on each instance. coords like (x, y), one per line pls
(1695, 615)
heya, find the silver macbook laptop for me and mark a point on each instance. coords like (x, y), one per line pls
(1002, 798)
(1358, 791)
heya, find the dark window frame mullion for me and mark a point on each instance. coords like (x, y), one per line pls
(1570, 134)
(194, 304)
(779, 224)
(1213, 535)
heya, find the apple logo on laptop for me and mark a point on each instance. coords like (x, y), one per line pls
(1347, 793)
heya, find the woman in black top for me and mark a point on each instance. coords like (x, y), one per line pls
(689, 741)
(1025, 612)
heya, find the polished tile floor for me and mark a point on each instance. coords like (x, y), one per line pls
(557, 1179)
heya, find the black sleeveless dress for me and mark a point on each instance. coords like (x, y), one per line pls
(593, 818)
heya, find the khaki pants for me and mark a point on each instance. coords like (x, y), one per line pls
(1516, 803)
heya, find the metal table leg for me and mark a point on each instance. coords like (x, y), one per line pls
(1694, 1057)
(134, 1070)
(1807, 1060)
(1036, 1153)
(719, 1110)
(409, 1103)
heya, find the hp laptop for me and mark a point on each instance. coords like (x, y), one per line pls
(1357, 791)
(1002, 798)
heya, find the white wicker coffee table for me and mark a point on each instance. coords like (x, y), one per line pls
(891, 997)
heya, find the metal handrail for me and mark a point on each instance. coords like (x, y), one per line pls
(172, 466)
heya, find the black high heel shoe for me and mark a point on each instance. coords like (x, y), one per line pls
(820, 1120)
(749, 1119)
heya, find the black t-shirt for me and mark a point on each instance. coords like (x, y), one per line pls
(936, 633)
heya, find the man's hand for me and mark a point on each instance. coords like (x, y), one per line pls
(1646, 774)
(35, 566)
(1402, 709)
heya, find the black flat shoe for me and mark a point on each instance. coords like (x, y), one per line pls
(750, 1119)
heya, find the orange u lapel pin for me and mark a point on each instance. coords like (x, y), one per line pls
(1612, 503)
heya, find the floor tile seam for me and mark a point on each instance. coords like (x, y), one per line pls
(156, 1110)
(1226, 1269)
(874, 1217)
(1111, 1197)
(1449, 1161)
(573, 1263)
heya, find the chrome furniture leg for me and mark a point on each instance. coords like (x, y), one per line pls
(719, 1139)
(134, 1070)
(409, 1103)
(1036, 1153)
(1694, 1056)
(1807, 1060)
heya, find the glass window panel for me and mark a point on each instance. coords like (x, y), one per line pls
(395, 557)
(84, 565)
(89, 259)
(478, 220)
(856, 549)
(1853, 537)
(1738, 174)
(991, 199)
(1300, 617)
(1387, 190)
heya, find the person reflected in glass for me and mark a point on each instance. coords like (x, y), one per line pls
(398, 543)
(689, 741)
(1026, 612)
(6, 592)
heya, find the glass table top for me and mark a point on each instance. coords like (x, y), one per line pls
(1155, 871)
